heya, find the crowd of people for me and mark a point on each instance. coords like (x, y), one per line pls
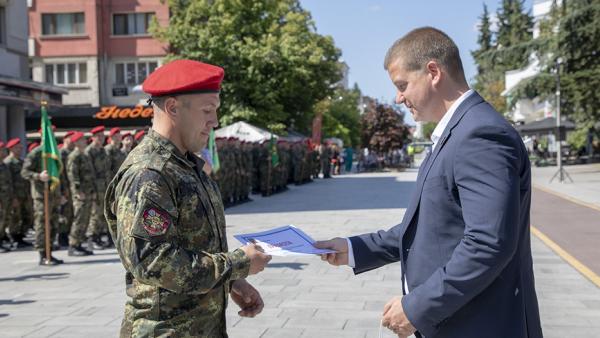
(89, 163)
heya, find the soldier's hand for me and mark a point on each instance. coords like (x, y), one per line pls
(338, 244)
(247, 298)
(258, 259)
(44, 176)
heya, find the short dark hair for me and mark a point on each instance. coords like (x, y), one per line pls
(422, 45)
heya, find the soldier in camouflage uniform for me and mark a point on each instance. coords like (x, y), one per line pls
(17, 226)
(325, 157)
(5, 196)
(34, 172)
(166, 218)
(80, 172)
(127, 143)
(66, 208)
(101, 164)
(113, 150)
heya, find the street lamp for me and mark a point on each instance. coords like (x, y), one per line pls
(561, 172)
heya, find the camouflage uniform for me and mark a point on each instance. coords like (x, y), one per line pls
(5, 197)
(326, 161)
(66, 212)
(32, 167)
(81, 179)
(116, 157)
(101, 165)
(17, 218)
(166, 218)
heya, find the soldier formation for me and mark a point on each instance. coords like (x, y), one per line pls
(76, 207)
(266, 169)
(89, 164)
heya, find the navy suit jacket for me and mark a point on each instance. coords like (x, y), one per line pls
(464, 242)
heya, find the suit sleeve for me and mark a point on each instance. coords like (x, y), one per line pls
(377, 249)
(146, 213)
(486, 171)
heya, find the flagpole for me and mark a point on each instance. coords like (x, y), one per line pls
(46, 196)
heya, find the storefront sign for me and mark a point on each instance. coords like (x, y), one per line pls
(114, 112)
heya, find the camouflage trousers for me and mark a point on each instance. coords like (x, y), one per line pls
(39, 220)
(4, 212)
(66, 217)
(81, 220)
(98, 225)
(19, 217)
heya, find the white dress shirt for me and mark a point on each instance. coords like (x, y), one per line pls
(435, 137)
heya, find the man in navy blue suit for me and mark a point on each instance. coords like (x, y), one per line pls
(464, 242)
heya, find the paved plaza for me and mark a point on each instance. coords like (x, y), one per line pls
(304, 296)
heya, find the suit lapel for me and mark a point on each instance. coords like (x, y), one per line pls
(469, 102)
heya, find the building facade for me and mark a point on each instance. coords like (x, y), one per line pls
(18, 94)
(99, 50)
(526, 110)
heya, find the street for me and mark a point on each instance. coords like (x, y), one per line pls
(304, 297)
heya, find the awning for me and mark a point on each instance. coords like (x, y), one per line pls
(29, 93)
(245, 132)
(544, 125)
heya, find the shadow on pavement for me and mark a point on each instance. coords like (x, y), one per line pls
(97, 261)
(42, 276)
(15, 302)
(366, 192)
(293, 266)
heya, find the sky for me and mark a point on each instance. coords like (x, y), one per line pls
(365, 29)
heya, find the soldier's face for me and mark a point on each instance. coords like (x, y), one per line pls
(197, 119)
(81, 144)
(116, 139)
(17, 150)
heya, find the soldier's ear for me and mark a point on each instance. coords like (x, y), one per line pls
(170, 106)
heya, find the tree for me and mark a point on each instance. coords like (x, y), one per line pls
(383, 128)
(341, 115)
(571, 33)
(495, 57)
(276, 65)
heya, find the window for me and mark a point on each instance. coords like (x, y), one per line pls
(133, 73)
(131, 23)
(2, 26)
(63, 24)
(66, 73)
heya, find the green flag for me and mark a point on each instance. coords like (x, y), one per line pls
(214, 153)
(50, 152)
(273, 148)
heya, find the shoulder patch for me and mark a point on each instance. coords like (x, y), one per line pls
(156, 222)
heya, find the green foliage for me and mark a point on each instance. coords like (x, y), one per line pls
(501, 50)
(341, 115)
(276, 65)
(383, 128)
(577, 139)
(428, 128)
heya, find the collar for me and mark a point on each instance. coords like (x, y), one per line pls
(189, 159)
(441, 126)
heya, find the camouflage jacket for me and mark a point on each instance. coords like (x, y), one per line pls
(32, 167)
(115, 157)
(101, 164)
(5, 184)
(80, 173)
(64, 177)
(167, 220)
(20, 186)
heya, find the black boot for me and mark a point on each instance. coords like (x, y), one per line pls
(19, 242)
(53, 260)
(63, 240)
(78, 251)
(109, 242)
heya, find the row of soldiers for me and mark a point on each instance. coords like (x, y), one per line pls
(264, 167)
(76, 205)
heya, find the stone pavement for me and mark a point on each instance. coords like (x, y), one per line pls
(585, 186)
(304, 296)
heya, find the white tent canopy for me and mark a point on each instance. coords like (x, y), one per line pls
(245, 132)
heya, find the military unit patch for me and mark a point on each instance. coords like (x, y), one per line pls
(156, 222)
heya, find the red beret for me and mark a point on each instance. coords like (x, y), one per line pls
(139, 135)
(184, 76)
(13, 142)
(98, 129)
(126, 134)
(68, 134)
(114, 130)
(32, 146)
(76, 136)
